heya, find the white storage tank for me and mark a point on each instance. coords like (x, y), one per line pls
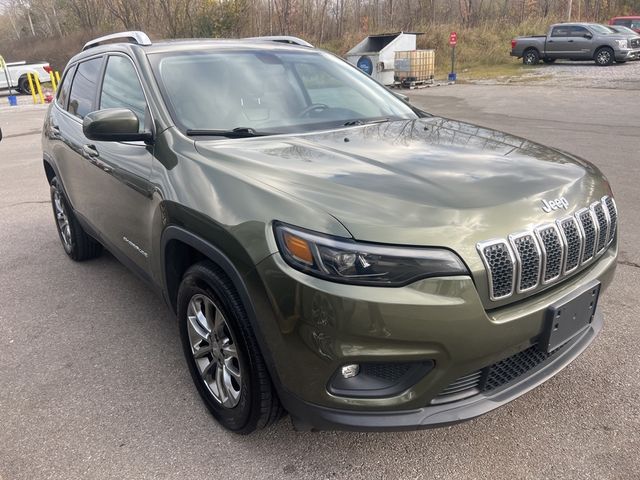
(375, 54)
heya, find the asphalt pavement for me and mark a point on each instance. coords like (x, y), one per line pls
(93, 383)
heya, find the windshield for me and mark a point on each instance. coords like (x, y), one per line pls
(270, 91)
(600, 29)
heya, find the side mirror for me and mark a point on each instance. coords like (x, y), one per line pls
(114, 125)
(588, 36)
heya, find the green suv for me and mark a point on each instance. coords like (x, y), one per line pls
(328, 249)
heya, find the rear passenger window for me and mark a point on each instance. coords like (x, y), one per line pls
(83, 89)
(560, 32)
(121, 88)
(63, 91)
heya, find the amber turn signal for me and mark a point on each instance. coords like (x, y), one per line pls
(298, 248)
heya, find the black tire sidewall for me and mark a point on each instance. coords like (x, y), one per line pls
(55, 187)
(204, 282)
(23, 85)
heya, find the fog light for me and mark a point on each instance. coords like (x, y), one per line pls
(349, 371)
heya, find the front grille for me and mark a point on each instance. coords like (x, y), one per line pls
(549, 253)
(496, 375)
(634, 43)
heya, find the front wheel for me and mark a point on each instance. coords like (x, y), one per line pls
(531, 57)
(222, 352)
(604, 57)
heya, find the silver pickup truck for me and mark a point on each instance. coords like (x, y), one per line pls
(579, 42)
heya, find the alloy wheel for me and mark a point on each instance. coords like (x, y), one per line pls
(62, 220)
(604, 57)
(214, 350)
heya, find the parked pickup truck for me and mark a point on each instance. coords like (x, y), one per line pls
(579, 42)
(18, 75)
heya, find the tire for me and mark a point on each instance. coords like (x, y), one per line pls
(222, 352)
(75, 241)
(531, 57)
(604, 56)
(549, 61)
(23, 85)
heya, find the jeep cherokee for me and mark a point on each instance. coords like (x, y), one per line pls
(328, 249)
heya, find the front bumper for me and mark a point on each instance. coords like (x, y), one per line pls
(627, 55)
(311, 327)
(308, 416)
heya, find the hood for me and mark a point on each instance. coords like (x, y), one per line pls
(431, 181)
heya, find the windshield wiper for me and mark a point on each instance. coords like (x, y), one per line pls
(238, 132)
(351, 123)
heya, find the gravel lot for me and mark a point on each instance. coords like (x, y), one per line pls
(576, 74)
(93, 383)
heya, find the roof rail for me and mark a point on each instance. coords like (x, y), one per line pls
(139, 38)
(283, 39)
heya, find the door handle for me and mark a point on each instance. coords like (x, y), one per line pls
(549, 41)
(570, 41)
(89, 151)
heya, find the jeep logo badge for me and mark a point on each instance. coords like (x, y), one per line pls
(554, 204)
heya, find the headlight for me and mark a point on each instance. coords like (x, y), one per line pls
(347, 261)
(623, 43)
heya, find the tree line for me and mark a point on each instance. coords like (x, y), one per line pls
(317, 20)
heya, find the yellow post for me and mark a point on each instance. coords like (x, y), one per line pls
(31, 88)
(39, 88)
(53, 80)
(58, 77)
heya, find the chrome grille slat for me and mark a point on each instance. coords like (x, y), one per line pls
(572, 239)
(501, 267)
(552, 252)
(528, 259)
(549, 252)
(610, 206)
(603, 225)
(589, 229)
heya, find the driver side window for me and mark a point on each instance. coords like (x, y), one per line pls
(121, 88)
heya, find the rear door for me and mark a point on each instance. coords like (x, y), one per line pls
(73, 103)
(558, 45)
(119, 171)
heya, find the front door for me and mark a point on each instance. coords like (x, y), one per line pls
(120, 206)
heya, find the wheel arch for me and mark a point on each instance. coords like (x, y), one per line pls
(181, 249)
(49, 170)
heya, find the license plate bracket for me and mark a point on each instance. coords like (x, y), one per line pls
(568, 317)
